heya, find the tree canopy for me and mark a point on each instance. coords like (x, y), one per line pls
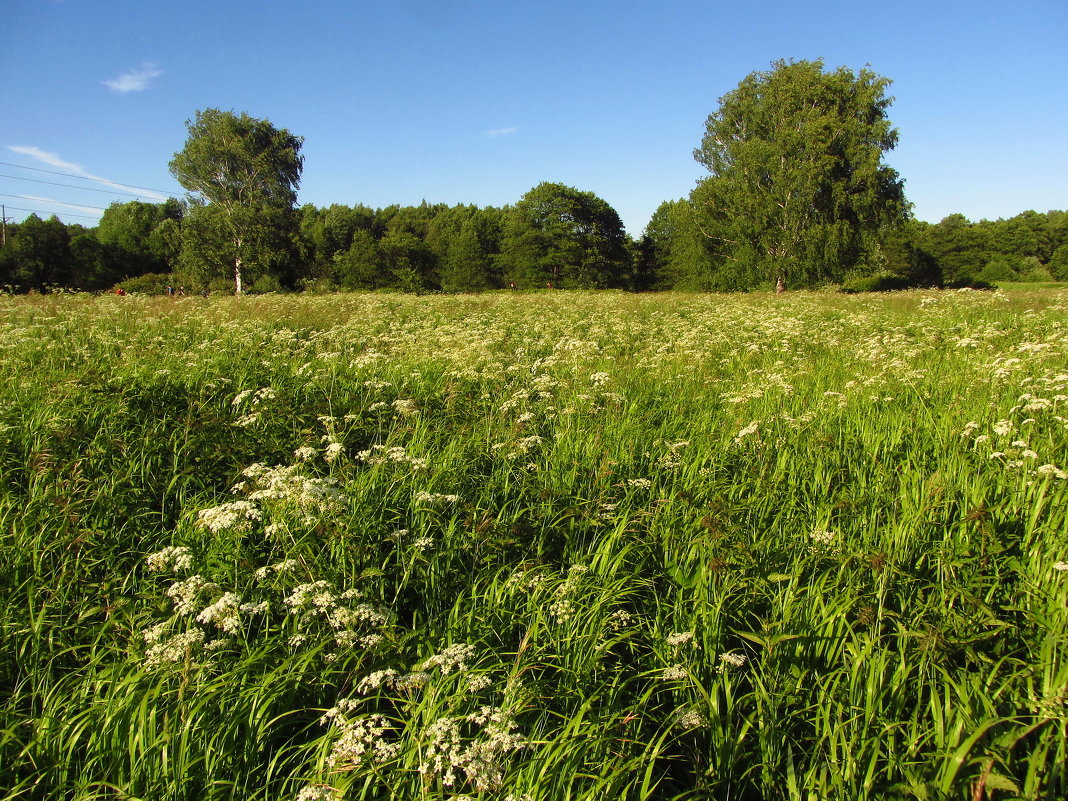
(243, 174)
(798, 185)
(797, 192)
(562, 236)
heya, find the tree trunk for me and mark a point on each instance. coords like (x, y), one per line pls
(237, 275)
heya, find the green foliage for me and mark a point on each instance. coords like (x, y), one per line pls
(538, 545)
(149, 284)
(467, 264)
(557, 235)
(1058, 263)
(361, 266)
(798, 186)
(884, 282)
(243, 174)
(140, 237)
(40, 254)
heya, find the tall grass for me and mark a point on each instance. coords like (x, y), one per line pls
(556, 546)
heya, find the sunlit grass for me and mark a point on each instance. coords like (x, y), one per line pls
(552, 546)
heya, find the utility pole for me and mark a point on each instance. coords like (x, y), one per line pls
(3, 225)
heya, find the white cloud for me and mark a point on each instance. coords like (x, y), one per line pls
(45, 157)
(134, 80)
(54, 160)
(495, 132)
(88, 209)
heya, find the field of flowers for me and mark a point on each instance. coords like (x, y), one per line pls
(534, 547)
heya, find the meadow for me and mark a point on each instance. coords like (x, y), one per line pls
(535, 547)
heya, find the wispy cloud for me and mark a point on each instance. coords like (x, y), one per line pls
(134, 80)
(96, 212)
(493, 133)
(45, 157)
(54, 160)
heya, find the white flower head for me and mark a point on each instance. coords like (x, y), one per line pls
(176, 558)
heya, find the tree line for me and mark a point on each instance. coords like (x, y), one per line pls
(797, 196)
(464, 248)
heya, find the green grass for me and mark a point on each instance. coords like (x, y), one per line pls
(548, 546)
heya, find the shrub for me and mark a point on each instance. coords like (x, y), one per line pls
(883, 282)
(148, 284)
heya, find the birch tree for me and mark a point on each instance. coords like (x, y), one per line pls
(798, 183)
(242, 176)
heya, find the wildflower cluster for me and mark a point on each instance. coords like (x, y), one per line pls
(349, 620)
(393, 454)
(176, 558)
(491, 736)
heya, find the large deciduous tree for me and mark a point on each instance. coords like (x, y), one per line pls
(798, 187)
(559, 235)
(242, 174)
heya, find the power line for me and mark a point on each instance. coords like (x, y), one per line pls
(73, 186)
(57, 202)
(57, 213)
(90, 178)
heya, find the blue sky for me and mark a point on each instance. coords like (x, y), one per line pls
(472, 101)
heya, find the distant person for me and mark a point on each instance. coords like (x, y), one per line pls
(170, 290)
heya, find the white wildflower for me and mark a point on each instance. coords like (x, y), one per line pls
(185, 594)
(362, 740)
(435, 498)
(374, 681)
(731, 661)
(749, 430)
(317, 792)
(454, 657)
(175, 558)
(674, 673)
(333, 451)
(178, 648)
(620, 619)
(677, 639)
(236, 516)
(478, 682)
(224, 613)
(689, 719)
(822, 537)
(1051, 470)
(1004, 428)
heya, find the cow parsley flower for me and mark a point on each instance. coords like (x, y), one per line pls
(224, 613)
(175, 558)
(674, 673)
(174, 649)
(235, 516)
(731, 661)
(185, 594)
(677, 639)
(454, 657)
